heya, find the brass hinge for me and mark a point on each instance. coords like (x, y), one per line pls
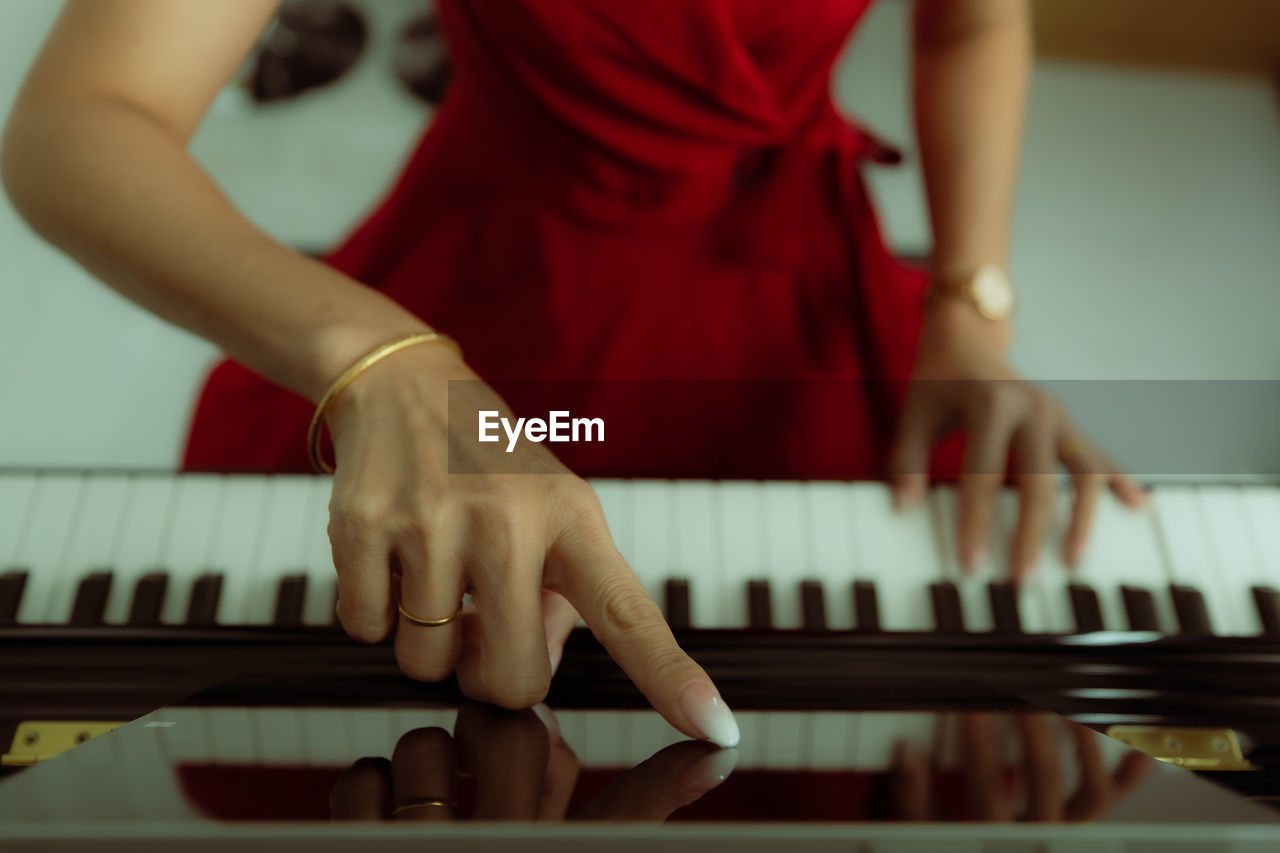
(1195, 749)
(36, 740)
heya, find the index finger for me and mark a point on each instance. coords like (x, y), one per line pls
(585, 567)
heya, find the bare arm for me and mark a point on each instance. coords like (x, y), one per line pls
(972, 63)
(94, 158)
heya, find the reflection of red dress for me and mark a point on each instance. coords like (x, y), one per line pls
(656, 191)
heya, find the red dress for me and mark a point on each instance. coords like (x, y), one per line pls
(654, 212)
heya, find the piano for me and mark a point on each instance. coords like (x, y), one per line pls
(145, 550)
(123, 592)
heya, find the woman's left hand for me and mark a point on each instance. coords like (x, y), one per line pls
(962, 379)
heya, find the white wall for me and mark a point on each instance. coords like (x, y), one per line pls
(1146, 242)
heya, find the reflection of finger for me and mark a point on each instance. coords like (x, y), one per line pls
(982, 767)
(909, 788)
(1133, 768)
(424, 775)
(558, 619)
(1041, 766)
(362, 792)
(507, 752)
(562, 770)
(668, 780)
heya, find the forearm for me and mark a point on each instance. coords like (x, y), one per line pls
(111, 186)
(971, 70)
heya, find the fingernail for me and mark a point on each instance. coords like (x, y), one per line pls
(556, 654)
(703, 707)
(709, 770)
(543, 713)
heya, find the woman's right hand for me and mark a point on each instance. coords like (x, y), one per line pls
(522, 534)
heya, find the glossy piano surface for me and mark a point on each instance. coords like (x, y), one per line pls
(363, 765)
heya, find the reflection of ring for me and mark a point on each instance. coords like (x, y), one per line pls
(428, 623)
(414, 804)
(1071, 447)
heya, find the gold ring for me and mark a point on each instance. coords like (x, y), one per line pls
(428, 623)
(414, 804)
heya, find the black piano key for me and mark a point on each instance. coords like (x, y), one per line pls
(1267, 600)
(148, 599)
(759, 605)
(1004, 608)
(813, 606)
(11, 586)
(290, 595)
(947, 615)
(202, 609)
(91, 599)
(866, 608)
(1193, 616)
(676, 604)
(1140, 608)
(1084, 604)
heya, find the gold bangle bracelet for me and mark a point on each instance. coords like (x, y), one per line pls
(349, 375)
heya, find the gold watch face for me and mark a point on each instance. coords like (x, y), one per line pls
(992, 293)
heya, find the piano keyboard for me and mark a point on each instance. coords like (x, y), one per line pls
(243, 550)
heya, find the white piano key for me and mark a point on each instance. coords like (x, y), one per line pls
(189, 539)
(232, 735)
(142, 539)
(1262, 509)
(972, 583)
(742, 540)
(1033, 607)
(1123, 550)
(753, 738)
(607, 739)
(788, 734)
(831, 740)
(898, 552)
(1190, 559)
(317, 557)
(698, 554)
(327, 737)
(1240, 566)
(573, 724)
(280, 549)
(879, 731)
(650, 734)
(15, 505)
(371, 732)
(615, 500)
(43, 543)
(187, 737)
(279, 735)
(788, 556)
(235, 542)
(648, 549)
(831, 533)
(93, 541)
(1052, 572)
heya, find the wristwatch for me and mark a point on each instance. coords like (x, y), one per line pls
(988, 289)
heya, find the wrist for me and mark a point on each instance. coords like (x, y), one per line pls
(954, 325)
